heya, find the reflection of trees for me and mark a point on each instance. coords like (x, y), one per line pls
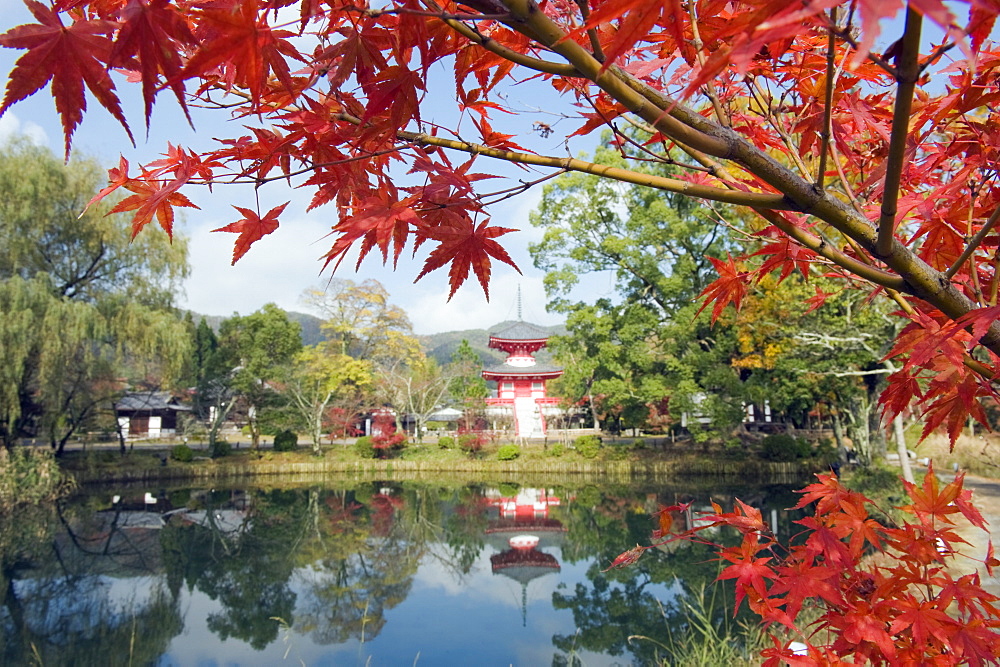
(58, 604)
(621, 603)
(247, 571)
(367, 567)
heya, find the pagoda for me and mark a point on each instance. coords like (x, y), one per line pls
(521, 380)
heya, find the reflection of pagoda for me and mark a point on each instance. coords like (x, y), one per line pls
(520, 379)
(521, 531)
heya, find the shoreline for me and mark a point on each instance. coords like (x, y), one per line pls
(777, 472)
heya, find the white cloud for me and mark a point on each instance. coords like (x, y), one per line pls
(11, 126)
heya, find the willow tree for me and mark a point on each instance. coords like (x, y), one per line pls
(83, 306)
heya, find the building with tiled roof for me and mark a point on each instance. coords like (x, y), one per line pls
(521, 392)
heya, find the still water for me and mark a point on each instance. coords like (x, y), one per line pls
(353, 573)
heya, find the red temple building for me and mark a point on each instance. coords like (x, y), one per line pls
(521, 380)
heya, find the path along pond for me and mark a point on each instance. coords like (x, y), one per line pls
(358, 573)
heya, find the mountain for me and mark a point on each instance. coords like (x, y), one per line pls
(309, 324)
(442, 345)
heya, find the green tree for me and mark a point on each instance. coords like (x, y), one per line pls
(83, 305)
(259, 346)
(649, 344)
(317, 377)
(467, 386)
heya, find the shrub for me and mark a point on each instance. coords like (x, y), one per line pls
(638, 443)
(616, 453)
(783, 447)
(364, 447)
(387, 444)
(472, 442)
(221, 449)
(508, 452)
(446, 442)
(589, 446)
(182, 453)
(556, 450)
(29, 476)
(285, 441)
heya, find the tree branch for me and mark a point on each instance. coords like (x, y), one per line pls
(909, 72)
(973, 244)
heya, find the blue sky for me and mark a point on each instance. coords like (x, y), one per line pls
(282, 266)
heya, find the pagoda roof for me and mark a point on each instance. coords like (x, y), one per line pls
(537, 369)
(520, 331)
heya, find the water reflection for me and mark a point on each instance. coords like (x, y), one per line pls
(378, 573)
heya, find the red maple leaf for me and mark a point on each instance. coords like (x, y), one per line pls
(251, 228)
(466, 247)
(749, 571)
(729, 287)
(153, 197)
(242, 47)
(377, 221)
(153, 31)
(69, 57)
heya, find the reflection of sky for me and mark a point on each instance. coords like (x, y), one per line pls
(441, 622)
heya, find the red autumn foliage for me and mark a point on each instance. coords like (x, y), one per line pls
(884, 594)
(875, 167)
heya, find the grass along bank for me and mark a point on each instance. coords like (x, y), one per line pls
(624, 458)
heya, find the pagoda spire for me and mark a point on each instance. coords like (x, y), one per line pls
(519, 318)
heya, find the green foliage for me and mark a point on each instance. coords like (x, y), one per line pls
(588, 446)
(446, 442)
(258, 346)
(103, 300)
(365, 447)
(472, 442)
(784, 447)
(508, 452)
(467, 384)
(29, 476)
(182, 453)
(285, 441)
(508, 489)
(221, 449)
(556, 450)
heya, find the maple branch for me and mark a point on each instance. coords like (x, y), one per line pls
(973, 244)
(523, 186)
(827, 250)
(698, 45)
(754, 199)
(595, 42)
(844, 34)
(909, 72)
(493, 46)
(528, 18)
(995, 283)
(827, 105)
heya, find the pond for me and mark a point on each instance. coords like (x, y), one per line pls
(354, 573)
